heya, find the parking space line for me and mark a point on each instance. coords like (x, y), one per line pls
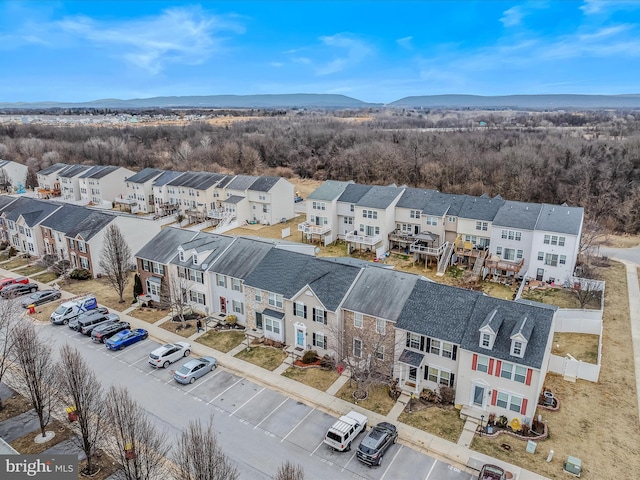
(143, 358)
(232, 413)
(348, 461)
(224, 391)
(125, 350)
(316, 449)
(303, 419)
(391, 462)
(205, 380)
(431, 469)
(272, 412)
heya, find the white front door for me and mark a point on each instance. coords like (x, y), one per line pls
(478, 396)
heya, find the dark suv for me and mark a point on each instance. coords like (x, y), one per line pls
(101, 333)
(373, 447)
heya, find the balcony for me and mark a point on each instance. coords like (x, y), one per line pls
(363, 239)
(216, 213)
(496, 263)
(312, 229)
(424, 249)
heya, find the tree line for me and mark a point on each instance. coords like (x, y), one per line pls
(589, 159)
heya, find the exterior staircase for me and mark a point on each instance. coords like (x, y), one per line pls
(474, 275)
(445, 259)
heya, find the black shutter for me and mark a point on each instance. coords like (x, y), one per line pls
(408, 339)
(421, 343)
(452, 379)
(455, 352)
(314, 339)
(314, 314)
(259, 320)
(325, 317)
(428, 345)
(426, 372)
(305, 311)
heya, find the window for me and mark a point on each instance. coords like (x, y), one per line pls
(158, 268)
(452, 219)
(519, 254)
(31, 247)
(319, 206)
(414, 214)
(238, 307)
(520, 374)
(484, 226)
(563, 259)
(370, 214)
(483, 364)
(348, 220)
(540, 256)
(435, 346)
(447, 350)
(551, 259)
(438, 376)
(221, 280)
(319, 315)
(357, 320)
(300, 310)
(195, 276)
(516, 349)
(195, 259)
(82, 247)
(507, 370)
(561, 241)
(509, 254)
(499, 251)
(433, 221)
(554, 239)
(380, 326)
(235, 282)
(27, 231)
(357, 348)
(511, 235)
(84, 262)
(507, 401)
(196, 297)
(181, 255)
(486, 340)
(414, 341)
(320, 340)
(145, 265)
(380, 352)
(272, 325)
(502, 400)
(275, 300)
(547, 239)
(258, 295)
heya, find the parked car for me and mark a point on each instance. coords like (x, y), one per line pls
(374, 445)
(194, 369)
(492, 472)
(102, 332)
(43, 296)
(169, 353)
(74, 324)
(345, 430)
(297, 199)
(87, 325)
(126, 338)
(68, 311)
(4, 282)
(18, 289)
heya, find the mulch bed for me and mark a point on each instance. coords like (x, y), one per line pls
(14, 406)
(27, 445)
(107, 466)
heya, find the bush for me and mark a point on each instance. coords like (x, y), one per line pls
(309, 356)
(80, 274)
(12, 251)
(502, 421)
(4, 245)
(231, 319)
(327, 363)
(447, 395)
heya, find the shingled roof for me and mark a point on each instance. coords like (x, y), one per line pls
(145, 175)
(519, 215)
(164, 246)
(31, 210)
(415, 198)
(264, 184)
(66, 218)
(379, 197)
(329, 190)
(243, 256)
(560, 219)
(91, 225)
(52, 169)
(480, 208)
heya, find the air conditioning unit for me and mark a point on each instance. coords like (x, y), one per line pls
(573, 466)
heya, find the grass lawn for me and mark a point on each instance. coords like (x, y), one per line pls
(27, 445)
(13, 406)
(582, 346)
(44, 277)
(561, 297)
(314, 377)
(378, 400)
(184, 329)
(223, 341)
(439, 421)
(16, 262)
(31, 270)
(149, 315)
(266, 357)
(103, 291)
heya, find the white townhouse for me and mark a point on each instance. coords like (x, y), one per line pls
(230, 201)
(511, 243)
(69, 179)
(270, 200)
(139, 191)
(322, 220)
(475, 220)
(49, 182)
(555, 243)
(165, 199)
(21, 220)
(345, 208)
(193, 192)
(12, 175)
(101, 185)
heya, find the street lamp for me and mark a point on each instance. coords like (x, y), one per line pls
(481, 424)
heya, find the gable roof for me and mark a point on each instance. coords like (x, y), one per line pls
(197, 180)
(381, 293)
(415, 198)
(560, 219)
(203, 242)
(166, 177)
(32, 211)
(240, 260)
(354, 192)
(66, 218)
(164, 246)
(52, 169)
(329, 190)
(379, 197)
(264, 184)
(145, 175)
(518, 215)
(91, 225)
(438, 311)
(6, 200)
(99, 171)
(480, 208)
(241, 182)
(441, 204)
(72, 170)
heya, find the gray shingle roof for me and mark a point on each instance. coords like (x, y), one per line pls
(381, 293)
(353, 193)
(164, 246)
(203, 242)
(99, 171)
(233, 199)
(145, 175)
(197, 180)
(379, 197)
(438, 311)
(411, 358)
(264, 184)
(73, 170)
(560, 219)
(166, 177)
(518, 215)
(225, 181)
(32, 211)
(541, 319)
(444, 204)
(241, 182)
(480, 208)
(52, 168)
(91, 226)
(66, 218)
(6, 200)
(240, 260)
(415, 198)
(329, 190)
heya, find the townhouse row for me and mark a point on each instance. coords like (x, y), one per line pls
(493, 352)
(498, 237)
(201, 197)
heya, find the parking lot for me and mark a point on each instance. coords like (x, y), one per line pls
(259, 428)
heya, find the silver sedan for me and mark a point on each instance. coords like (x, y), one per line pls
(194, 369)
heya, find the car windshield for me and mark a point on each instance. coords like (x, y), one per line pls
(60, 310)
(184, 370)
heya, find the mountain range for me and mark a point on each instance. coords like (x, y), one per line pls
(330, 101)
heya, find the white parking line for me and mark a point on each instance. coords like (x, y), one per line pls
(431, 470)
(316, 449)
(272, 412)
(205, 380)
(258, 393)
(291, 431)
(143, 358)
(125, 350)
(348, 461)
(391, 462)
(224, 391)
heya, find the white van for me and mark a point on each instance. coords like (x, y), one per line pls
(345, 430)
(71, 309)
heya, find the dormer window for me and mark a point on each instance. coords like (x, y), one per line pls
(181, 254)
(518, 348)
(520, 336)
(195, 259)
(486, 340)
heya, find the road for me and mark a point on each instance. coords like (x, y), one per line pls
(258, 428)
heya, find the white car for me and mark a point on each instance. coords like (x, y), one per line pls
(169, 353)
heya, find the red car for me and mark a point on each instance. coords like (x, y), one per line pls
(10, 281)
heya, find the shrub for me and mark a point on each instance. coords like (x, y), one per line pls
(447, 395)
(502, 421)
(327, 363)
(524, 429)
(12, 251)
(429, 395)
(309, 356)
(231, 319)
(4, 245)
(80, 274)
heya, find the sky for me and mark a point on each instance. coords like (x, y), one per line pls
(375, 51)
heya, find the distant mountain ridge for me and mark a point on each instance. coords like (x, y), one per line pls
(311, 100)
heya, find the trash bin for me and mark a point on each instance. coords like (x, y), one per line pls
(32, 309)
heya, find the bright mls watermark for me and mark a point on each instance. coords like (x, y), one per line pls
(51, 467)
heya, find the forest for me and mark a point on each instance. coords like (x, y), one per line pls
(589, 159)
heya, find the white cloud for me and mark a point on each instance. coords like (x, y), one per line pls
(177, 35)
(405, 42)
(512, 17)
(593, 7)
(352, 51)
(276, 64)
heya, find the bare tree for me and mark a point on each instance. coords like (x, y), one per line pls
(198, 455)
(115, 260)
(9, 310)
(36, 370)
(178, 287)
(78, 384)
(134, 443)
(587, 290)
(289, 471)
(53, 264)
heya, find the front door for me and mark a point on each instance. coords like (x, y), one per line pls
(478, 396)
(540, 274)
(299, 338)
(223, 305)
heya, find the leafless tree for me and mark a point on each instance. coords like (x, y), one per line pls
(79, 385)
(199, 456)
(177, 294)
(116, 260)
(9, 311)
(289, 471)
(587, 291)
(55, 265)
(36, 369)
(592, 234)
(134, 442)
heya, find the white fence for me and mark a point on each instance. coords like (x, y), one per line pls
(572, 368)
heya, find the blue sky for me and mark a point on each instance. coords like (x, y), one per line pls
(375, 51)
